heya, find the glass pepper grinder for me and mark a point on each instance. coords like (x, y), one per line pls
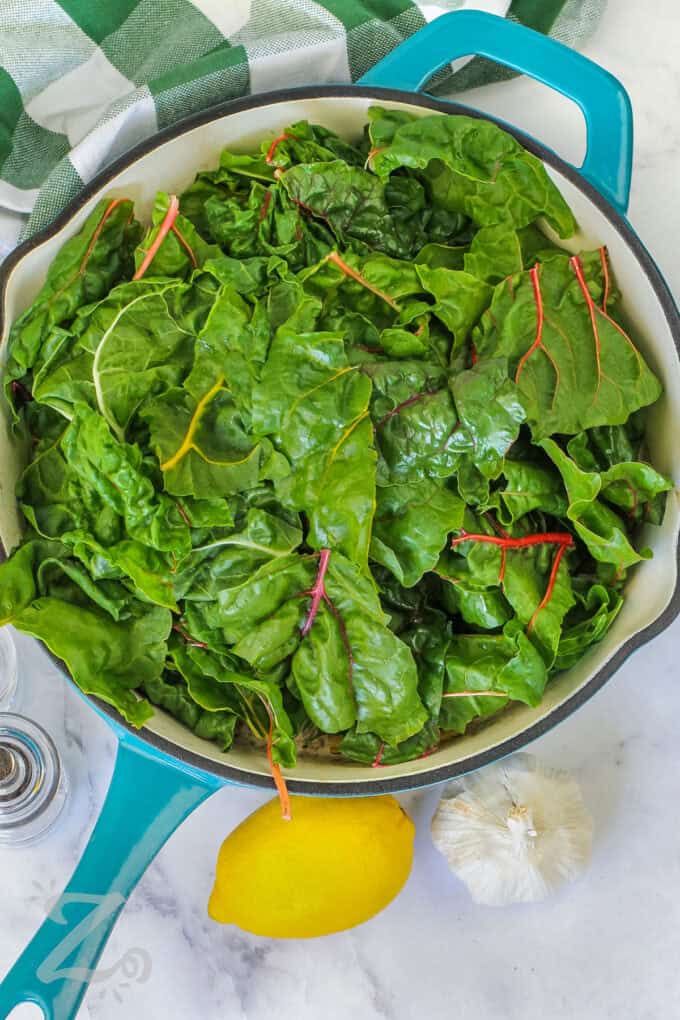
(33, 785)
(8, 670)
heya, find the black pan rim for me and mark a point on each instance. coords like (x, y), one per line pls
(428, 777)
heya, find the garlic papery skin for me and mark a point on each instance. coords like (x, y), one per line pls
(514, 832)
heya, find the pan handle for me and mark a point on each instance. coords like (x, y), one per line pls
(149, 796)
(602, 98)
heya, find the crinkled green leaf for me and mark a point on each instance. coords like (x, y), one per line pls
(459, 297)
(303, 142)
(217, 686)
(490, 414)
(182, 249)
(596, 524)
(201, 444)
(262, 618)
(107, 659)
(494, 669)
(114, 471)
(171, 693)
(315, 407)
(528, 487)
(414, 421)
(411, 526)
(573, 371)
(473, 167)
(496, 253)
(478, 602)
(357, 205)
(587, 624)
(84, 270)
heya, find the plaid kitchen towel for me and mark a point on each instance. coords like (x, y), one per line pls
(83, 80)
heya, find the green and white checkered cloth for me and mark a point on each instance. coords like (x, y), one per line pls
(81, 81)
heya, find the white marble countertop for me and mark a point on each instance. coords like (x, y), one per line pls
(606, 947)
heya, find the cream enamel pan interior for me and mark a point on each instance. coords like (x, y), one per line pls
(169, 164)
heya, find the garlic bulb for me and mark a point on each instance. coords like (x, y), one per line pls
(513, 832)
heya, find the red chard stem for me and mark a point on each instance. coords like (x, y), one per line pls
(562, 539)
(265, 204)
(549, 590)
(163, 231)
(269, 158)
(317, 592)
(185, 244)
(355, 275)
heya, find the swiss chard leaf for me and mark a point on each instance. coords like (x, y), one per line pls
(369, 749)
(477, 600)
(201, 444)
(351, 201)
(587, 624)
(411, 525)
(303, 142)
(171, 693)
(632, 485)
(490, 414)
(107, 659)
(135, 324)
(483, 672)
(217, 685)
(473, 167)
(459, 297)
(226, 558)
(574, 365)
(314, 404)
(114, 471)
(414, 421)
(355, 668)
(529, 486)
(498, 252)
(181, 250)
(392, 217)
(601, 530)
(84, 270)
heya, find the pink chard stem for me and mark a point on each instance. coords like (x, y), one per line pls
(318, 594)
(163, 231)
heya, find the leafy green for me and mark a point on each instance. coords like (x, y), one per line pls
(498, 252)
(484, 671)
(314, 404)
(344, 444)
(529, 486)
(392, 216)
(490, 414)
(109, 658)
(411, 526)
(459, 297)
(600, 528)
(473, 167)
(414, 420)
(587, 624)
(574, 366)
(84, 270)
(181, 250)
(172, 694)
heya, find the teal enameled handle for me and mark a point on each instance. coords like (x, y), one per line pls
(149, 796)
(602, 98)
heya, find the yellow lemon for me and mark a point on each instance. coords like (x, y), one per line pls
(337, 863)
